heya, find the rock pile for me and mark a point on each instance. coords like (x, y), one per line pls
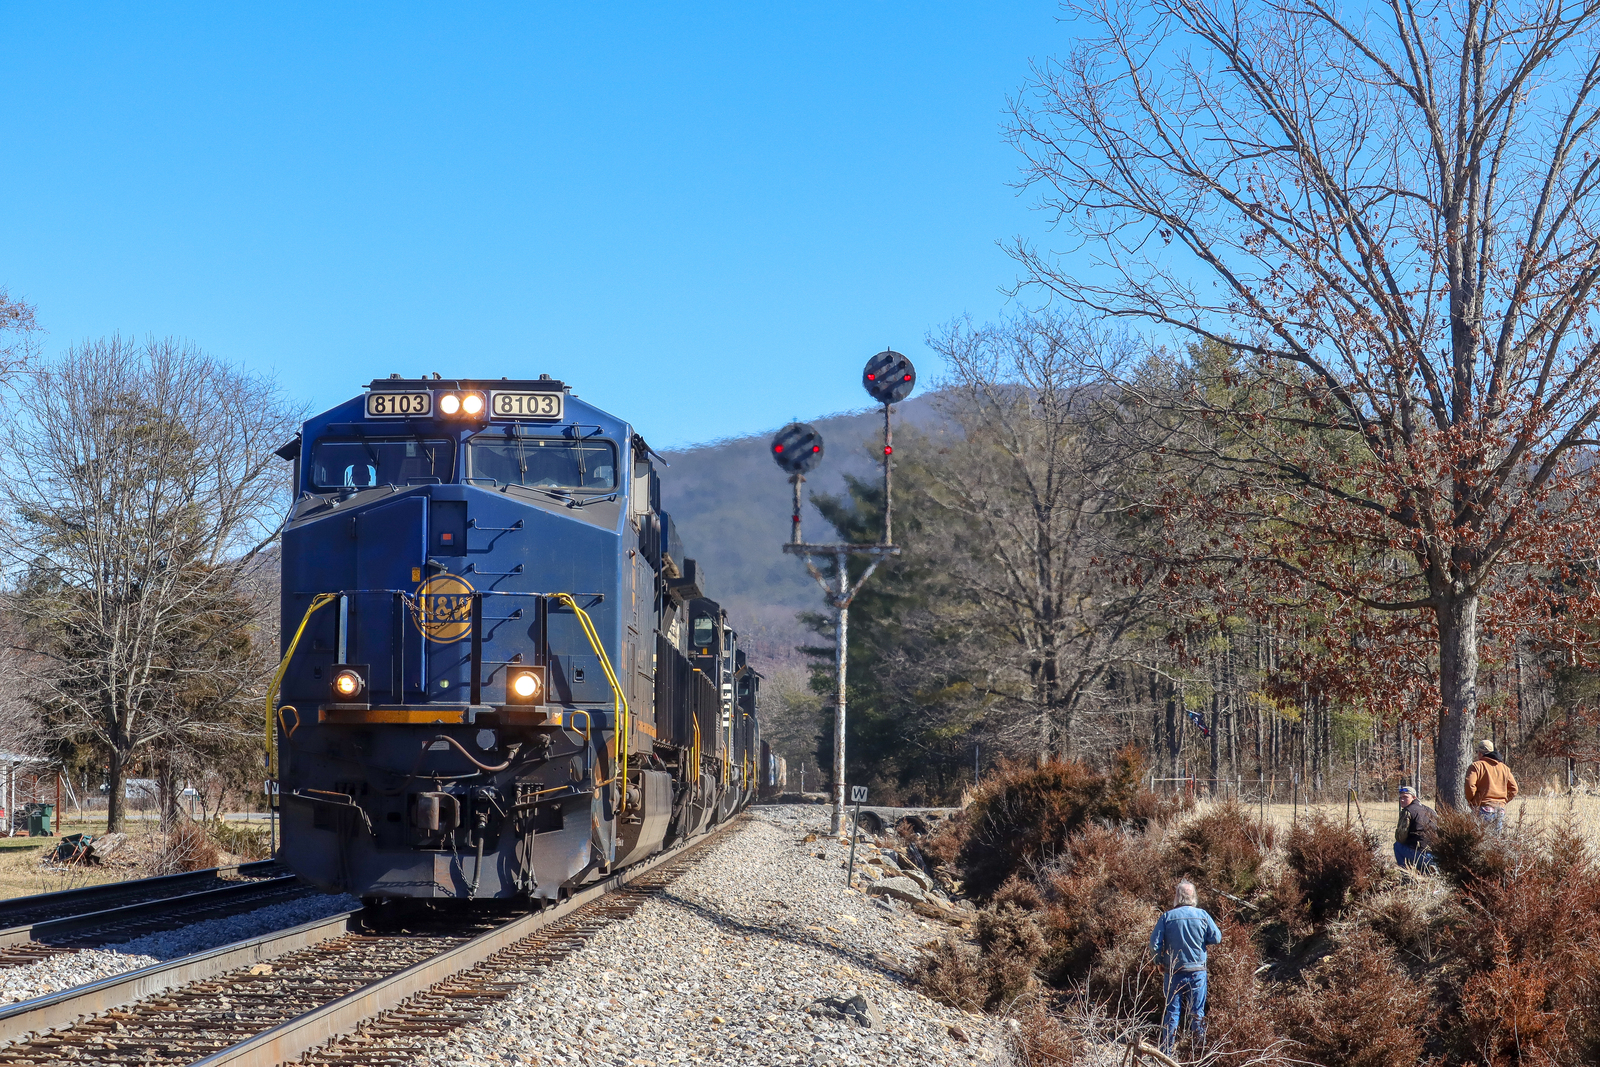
(893, 869)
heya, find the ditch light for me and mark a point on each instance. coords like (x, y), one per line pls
(525, 686)
(349, 683)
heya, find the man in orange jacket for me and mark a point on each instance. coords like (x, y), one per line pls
(1490, 786)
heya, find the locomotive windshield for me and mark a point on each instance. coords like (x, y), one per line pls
(554, 463)
(360, 463)
(705, 631)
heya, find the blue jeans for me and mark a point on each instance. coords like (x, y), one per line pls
(1181, 986)
(1494, 819)
(1406, 856)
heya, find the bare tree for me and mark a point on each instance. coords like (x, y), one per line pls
(1037, 480)
(791, 716)
(19, 335)
(141, 482)
(1387, 215)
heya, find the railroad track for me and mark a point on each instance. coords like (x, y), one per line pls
(28, 943)
(362, 995)
(23, 911)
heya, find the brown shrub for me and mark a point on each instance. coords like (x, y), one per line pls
(1021, 816)
(1125, 861)
(1358, 1008)
(1019, 892)
(1222, 848)
(1128, 802)
(992, 974)
(1241, 1018)
(1121, 974)
(1464, 853)
(185, 848)
(244, 841)
(1100, 906)
(952, 973)
(1508, 1012)
(1330, 862)
(1530, 944)
(1042, 1040)
(944, 843)
(1011, 945)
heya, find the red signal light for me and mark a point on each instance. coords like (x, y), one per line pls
(777, 448)
(816, 448)
(907, 378)
(888, 450)
(872, 377)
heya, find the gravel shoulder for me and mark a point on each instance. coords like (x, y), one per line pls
(722, 967)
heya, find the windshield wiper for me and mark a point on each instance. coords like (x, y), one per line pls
(565, 495)
(585, 501)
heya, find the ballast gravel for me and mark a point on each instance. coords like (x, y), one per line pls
(721, 967)
(55, 973)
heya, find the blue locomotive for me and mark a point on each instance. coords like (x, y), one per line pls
(501, 677)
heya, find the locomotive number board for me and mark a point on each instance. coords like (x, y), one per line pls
(398, 405)
(505, 405)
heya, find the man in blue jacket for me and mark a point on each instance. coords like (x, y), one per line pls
(1180, 940)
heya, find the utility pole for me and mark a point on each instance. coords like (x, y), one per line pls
(889, 378)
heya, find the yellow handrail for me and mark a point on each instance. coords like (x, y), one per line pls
(319, 601)
(624, 724)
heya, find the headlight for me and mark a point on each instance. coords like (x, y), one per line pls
(472, 404)
(348, 684)
(524, 685)
(449, 403)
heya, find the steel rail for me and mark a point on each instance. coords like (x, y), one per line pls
(11, 911)
(317, 1027)
(56, 929)
(57, 1010)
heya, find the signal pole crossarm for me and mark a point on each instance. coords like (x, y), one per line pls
(841, 597)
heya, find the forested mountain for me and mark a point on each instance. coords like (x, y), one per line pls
(731, 506)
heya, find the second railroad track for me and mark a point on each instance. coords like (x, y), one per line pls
(346, 996)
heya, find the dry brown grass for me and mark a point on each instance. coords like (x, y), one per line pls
(21, 874)
(1538, 810)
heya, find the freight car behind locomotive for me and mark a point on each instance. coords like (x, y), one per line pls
(501, 676)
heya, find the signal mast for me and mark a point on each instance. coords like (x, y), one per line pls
(888, 378)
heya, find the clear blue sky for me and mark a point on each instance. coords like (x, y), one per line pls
(704, 217)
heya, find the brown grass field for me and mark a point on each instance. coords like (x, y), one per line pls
(1527, 813)
(21, 874)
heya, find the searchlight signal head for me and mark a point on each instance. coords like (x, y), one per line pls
(889, 377)
(797, 448)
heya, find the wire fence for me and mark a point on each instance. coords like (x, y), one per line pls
(1275, 791)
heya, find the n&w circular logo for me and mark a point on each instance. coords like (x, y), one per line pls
(444, 608)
